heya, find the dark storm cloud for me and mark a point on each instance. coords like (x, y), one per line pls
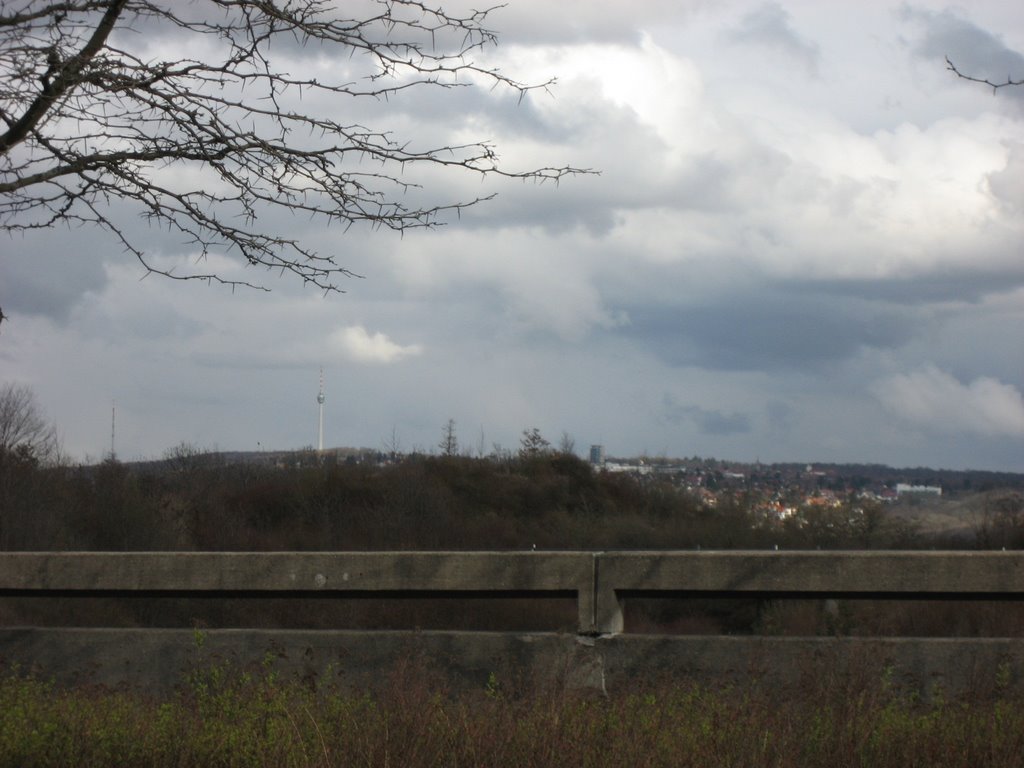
(708, 422)
(975, 51)
(953, 284)
(47, 273)
(770, 332)
(781, 416)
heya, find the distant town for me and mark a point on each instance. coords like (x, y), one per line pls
(775, 490)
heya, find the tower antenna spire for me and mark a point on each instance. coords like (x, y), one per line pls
(320, 401)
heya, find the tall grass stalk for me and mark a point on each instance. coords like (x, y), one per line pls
(234, 716)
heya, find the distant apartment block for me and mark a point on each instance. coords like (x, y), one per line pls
(597, 455)
(933, 490)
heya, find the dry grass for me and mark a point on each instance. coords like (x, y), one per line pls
(230, 716)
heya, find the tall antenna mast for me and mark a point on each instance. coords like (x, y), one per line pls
(113, 416)
(320, 400)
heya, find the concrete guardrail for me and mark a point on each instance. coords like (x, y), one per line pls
(599, 581)
(602, 583)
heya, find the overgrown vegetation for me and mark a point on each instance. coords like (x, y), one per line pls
(249, 716)
(546, 500)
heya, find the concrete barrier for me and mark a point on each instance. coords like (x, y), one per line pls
(597, 656)
(876, 575)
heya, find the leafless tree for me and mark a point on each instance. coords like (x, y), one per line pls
(533, 444)
(392, 444)
(207, 143)
(449, 444)
(24, 432)
(995, 86)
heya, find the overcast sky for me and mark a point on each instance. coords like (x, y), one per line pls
(806, 243)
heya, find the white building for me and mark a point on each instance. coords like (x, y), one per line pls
(902, 488)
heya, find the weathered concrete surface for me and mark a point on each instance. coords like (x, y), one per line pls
(158, 660)
(994, 574)
(289, 571)
(815, 572)
(307, 572)
(600, 580)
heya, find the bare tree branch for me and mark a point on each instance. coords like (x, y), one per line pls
(90, 118)
(23, 430)
(994, 86)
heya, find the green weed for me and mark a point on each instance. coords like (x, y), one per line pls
(224, 714)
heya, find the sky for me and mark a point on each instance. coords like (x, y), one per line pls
(805, 243)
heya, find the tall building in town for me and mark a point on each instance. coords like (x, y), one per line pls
(320, 401)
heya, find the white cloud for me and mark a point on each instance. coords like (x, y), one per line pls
(770, 25)
(356, 343)
(838, 201)
(939, 402)
(1007, 184)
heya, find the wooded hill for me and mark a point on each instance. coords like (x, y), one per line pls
(550, 500)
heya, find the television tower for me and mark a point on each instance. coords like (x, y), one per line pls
(320, 401)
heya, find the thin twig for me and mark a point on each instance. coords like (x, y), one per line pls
(995, 86)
